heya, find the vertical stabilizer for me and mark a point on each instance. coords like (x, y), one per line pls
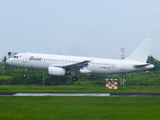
(142, 52)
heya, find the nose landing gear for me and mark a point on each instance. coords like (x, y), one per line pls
(25, 72)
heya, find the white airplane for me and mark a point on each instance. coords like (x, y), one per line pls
(65, 65)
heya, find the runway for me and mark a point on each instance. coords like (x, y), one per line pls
(80, 94)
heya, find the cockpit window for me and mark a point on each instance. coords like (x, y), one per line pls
(15, 56)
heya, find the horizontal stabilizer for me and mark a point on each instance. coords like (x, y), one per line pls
(142, 65)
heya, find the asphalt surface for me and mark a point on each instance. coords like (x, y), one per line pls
(77, 94)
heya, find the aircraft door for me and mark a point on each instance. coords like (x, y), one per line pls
(25, 58)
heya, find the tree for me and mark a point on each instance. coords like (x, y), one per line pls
(4, 64)
(156, 65)
(9, 54)
(155, 62)
(4, 59)
(151, 59)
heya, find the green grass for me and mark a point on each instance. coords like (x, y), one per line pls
(78, 88)
(79, 108)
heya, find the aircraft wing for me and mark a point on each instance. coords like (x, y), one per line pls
(75, 66)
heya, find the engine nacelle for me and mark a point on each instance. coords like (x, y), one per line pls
(56, 71)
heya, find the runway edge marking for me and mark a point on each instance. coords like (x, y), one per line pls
(62, 94)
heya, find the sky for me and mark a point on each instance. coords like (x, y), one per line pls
(92, 28)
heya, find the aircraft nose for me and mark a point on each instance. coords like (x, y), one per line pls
(8, 61)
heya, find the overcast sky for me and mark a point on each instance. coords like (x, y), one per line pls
(93, 28)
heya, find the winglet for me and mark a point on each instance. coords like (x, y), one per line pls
(142, 52)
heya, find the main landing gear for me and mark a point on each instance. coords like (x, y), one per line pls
(74, 79)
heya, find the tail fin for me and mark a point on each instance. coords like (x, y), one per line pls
(142, 52)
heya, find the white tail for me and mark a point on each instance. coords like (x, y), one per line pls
(142, 52)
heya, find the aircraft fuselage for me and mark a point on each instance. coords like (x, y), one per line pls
(96, 66)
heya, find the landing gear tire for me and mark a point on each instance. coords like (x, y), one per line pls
(74, 79)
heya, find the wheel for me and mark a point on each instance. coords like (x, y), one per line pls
(74, 79)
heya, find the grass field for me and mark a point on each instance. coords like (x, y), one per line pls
(78, 88)
(79, 108)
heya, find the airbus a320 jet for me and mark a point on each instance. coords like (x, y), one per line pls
(61, 65)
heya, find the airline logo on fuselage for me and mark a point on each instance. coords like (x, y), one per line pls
(35, 58)
(104, 67)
